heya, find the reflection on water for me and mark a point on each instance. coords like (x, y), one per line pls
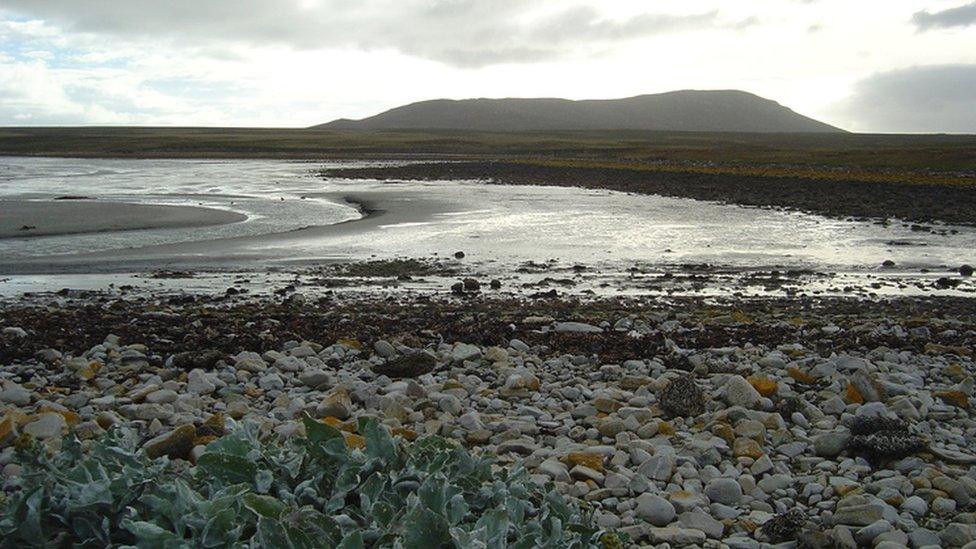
(505, 225)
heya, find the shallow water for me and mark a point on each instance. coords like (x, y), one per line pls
(493, 224)
(252, 188)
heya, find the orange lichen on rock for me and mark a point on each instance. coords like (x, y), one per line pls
(955, 398)
(845, 489)
(939, 349)
(852, 395)
(71, 418)
(725, 431)
(955, 371)
(586, 459)
(89, 370)
(748, 525)
(337, 423)
(204, 440)
(354, 441)
(765, 386)
(800, 375)
(8, 431)
(407, 434)
(746, 447)
(350, 343)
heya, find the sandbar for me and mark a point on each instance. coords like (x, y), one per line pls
(31, 218)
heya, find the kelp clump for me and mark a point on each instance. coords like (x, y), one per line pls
(682, 397)
(784, 526)
(883, 439)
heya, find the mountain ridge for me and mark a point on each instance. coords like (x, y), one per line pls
(683, 110)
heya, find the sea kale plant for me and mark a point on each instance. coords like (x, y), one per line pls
(311, 491)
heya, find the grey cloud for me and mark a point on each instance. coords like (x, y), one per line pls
(747, 23)
(925, 99)
(961, 16)
(459, 32)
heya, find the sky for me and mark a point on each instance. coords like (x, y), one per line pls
(863, 65)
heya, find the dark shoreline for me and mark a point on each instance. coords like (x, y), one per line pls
(917, 203)
(233, 324)
(366, 208)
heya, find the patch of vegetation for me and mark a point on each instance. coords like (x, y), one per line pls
(312, 491)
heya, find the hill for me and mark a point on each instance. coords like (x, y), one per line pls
(688, 110)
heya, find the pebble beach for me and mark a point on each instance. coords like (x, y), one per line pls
(680, 423)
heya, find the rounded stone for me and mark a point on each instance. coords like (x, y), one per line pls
(655, 509)
(915, 505)
(724, 490)
(831, 444)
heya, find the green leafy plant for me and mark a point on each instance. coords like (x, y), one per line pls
(305, 492)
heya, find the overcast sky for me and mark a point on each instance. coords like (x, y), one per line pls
(864, 65)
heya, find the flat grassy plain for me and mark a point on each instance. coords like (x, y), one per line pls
(778, 154)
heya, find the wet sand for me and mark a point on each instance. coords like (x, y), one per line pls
(378, 209)
(27, 218)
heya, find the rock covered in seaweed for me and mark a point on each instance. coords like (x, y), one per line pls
(784, 526)
(881, 439)
(683, 397)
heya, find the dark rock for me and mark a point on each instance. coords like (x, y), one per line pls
(551, 294)
(457, 288)
(191, 360)
(458, 255)
(966, 270)
(471, 285)
(213, 427)
(789, 405)
(888, 263)
(176, 444)
(679, 361)
(411, 365)
(945, 283)
(495, 284)
(814, 539)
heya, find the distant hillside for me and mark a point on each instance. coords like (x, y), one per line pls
(689, 110)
